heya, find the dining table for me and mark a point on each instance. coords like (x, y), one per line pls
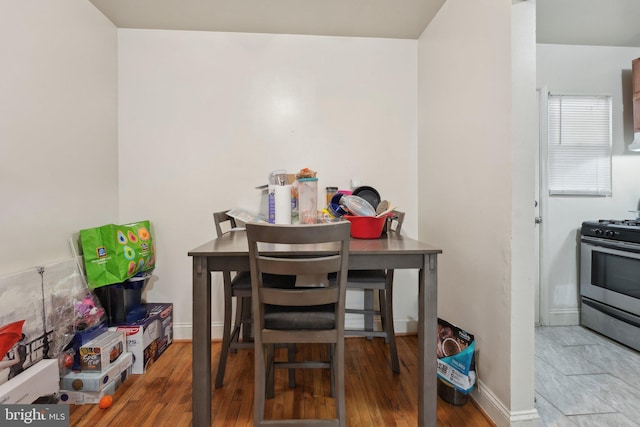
(230, 252)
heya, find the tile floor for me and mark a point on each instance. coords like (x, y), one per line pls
(585, 379)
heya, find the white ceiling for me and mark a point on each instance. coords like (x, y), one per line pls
(589, 22)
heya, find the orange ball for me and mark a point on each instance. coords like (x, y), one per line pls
(105, 402)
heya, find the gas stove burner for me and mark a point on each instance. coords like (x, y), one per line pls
(624, 230)
(624, 222)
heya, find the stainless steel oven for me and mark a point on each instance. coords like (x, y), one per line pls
(610, 279)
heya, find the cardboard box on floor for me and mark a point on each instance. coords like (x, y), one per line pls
(93, 380)
(148, 338)
(71, 397)
(113, 382)
(99, 353)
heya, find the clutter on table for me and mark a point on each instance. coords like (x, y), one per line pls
(293, 199)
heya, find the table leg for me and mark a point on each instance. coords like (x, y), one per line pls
(201, 357)
(427, 342)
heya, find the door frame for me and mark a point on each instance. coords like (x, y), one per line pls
(542, 267)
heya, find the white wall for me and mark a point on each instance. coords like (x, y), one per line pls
(204, 117)
(585, 70)
(524, 138)
(58, 128)
(467, 185)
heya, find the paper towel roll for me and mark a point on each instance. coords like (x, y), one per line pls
(280, 204)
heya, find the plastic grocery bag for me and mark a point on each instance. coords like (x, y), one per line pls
(114, 253)
(456, 364)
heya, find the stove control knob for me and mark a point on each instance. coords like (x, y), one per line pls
(609, 233)
(598, 231)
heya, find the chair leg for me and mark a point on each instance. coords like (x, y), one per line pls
(382, 304)
(259, 384)
(368, 306)
(291, 357)
(338, 366)
(270, 368)
(246, 319)
(388, 327)
(226, 338)
(235, 335)
(331, 350)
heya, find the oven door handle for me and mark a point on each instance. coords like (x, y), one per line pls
(618, 248)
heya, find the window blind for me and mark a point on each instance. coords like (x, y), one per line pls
(579, 138)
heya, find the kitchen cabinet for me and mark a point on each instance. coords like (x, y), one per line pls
(635, 83)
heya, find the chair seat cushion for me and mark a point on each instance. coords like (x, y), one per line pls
(242, 280)
(309, 317)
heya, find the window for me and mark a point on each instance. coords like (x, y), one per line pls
(579, 137)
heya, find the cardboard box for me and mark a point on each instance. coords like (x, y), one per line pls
(82, 337)
(148, 338)
(101, 352)
(40, 379)
(73, 397)
(95, 381)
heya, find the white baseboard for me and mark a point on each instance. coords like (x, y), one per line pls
(499, 413)
(183, 331)
(564, 317)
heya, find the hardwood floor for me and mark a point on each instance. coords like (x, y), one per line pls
(374, 395)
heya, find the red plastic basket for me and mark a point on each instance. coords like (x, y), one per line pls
(366, 227)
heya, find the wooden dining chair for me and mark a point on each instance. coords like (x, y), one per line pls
(295, 314)
(236, 285)
(380, 282)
